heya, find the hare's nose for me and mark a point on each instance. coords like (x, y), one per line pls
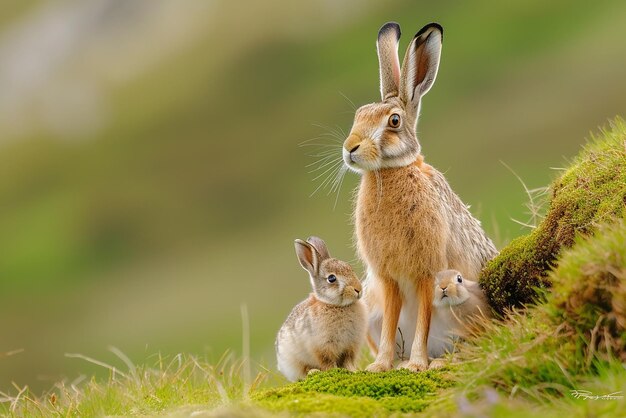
(352, 152)
(444, 289)
(358, 292)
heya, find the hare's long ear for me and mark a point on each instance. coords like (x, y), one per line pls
(320, 246)
(421, 63)
(388, 61)
(307, 255)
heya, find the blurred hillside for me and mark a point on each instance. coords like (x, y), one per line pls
(151, 173)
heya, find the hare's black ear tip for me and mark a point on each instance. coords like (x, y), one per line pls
(429, 27)
(392, 27)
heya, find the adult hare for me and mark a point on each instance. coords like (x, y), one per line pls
(409, 223)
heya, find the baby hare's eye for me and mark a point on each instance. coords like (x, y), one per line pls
(394, 120)
(332, 278)
(459, 279)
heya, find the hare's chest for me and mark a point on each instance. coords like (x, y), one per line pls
(397, 218)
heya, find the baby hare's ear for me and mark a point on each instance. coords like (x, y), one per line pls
(421, 63)
(307, 255)
(320, 247)
(388, 61)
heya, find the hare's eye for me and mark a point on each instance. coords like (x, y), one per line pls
(332, 278)
(459, 279)
(394, 120)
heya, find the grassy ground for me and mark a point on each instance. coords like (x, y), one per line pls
(530, 362)
(197, 164)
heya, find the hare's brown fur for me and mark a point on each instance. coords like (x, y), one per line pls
(409, 226)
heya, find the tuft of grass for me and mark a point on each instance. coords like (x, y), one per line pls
(181, 381)
(589, 293)
(591, 191)
(361, 393)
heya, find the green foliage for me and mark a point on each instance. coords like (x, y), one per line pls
(590, 192)
(572, 340)
(342, 392)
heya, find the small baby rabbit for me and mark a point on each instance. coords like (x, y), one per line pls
(327, 329)
(458, 305)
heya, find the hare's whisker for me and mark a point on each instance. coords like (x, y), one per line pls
(326, 164)
(379, 188)
(323, 141)
(320, 161)
(333, 146)
(321, 137)
(315, 138)
(337, 182)
(326, 171)
(332, 137)
(349, 101)
(341, 176)
(341, 131)
(331, 176)
(329, 168)
(331, 132)
(325, 153)
(333, 184)
(323, 183)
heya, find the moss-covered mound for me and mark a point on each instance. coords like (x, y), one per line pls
(590, 191)
(574, 340)
(342, 392)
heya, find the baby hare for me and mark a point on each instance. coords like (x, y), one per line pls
(327, 329)
(458, 306)
(409, 223)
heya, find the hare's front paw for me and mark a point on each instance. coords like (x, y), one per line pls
(437, 363)
(413, 366)
(379, 366)
(312, 371)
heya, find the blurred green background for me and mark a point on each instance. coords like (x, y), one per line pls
(151, 173)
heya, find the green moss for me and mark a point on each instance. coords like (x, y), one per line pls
(590, 192)
(574, 335)
(342, 392)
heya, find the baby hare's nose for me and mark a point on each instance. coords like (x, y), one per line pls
(355, 148)
(444, 289)
(358, 292)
